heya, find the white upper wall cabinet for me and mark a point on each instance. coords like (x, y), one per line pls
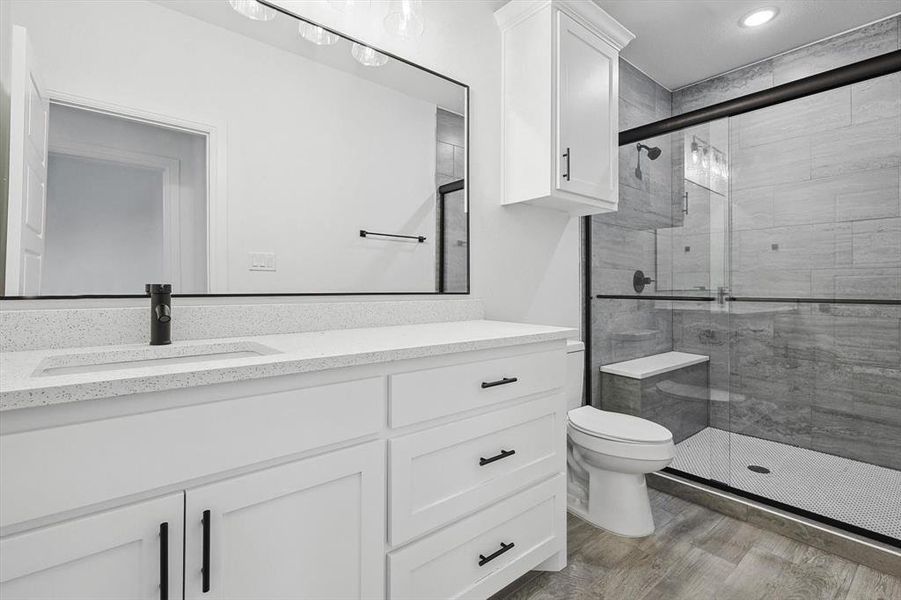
(560, 78)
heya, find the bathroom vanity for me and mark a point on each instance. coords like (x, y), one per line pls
(419, 461)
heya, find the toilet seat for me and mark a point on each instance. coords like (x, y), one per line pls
(628, 450)
(617, 427)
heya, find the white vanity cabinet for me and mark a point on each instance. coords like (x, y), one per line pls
(428, 477)
(130, 552)
(308, 529)
(560, 98)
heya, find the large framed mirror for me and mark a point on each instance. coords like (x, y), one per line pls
(227, 148)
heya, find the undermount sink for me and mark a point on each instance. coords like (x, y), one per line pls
(93, 362)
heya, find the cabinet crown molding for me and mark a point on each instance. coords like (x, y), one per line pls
(586, 12)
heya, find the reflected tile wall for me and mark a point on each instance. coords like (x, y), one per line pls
(450, 159)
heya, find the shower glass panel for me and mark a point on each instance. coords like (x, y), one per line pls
(815, 395)
(672, 227)
(769, 242)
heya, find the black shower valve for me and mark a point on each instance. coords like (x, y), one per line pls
(639, 281)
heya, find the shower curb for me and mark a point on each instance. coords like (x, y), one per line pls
(875, 555)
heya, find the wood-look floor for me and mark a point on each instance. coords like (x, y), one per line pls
(698, 554)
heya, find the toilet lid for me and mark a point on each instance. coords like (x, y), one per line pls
(618, 426)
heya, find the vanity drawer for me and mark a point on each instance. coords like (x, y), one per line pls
(103, 460)
(432, 393)
(482, 553)
(442, 473)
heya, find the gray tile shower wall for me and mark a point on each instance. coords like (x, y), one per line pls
(816, 212)
(859, 44)
(816, 188)
(625, 241)
(820, 376)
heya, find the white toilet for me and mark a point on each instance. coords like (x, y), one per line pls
(608, 455)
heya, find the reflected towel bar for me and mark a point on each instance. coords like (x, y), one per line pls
(419, 238)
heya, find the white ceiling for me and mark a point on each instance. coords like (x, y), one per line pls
(679, 42)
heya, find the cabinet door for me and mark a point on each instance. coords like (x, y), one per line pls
(314, 528)
(587, 128)
(134, 552)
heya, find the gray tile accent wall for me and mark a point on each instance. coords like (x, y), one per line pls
(823, 376)
(816, 200)
(815, 210)
(625, 241)
(859, 44)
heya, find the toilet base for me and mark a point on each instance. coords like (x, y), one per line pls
(618, 503)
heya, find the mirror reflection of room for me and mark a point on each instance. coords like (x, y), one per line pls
(228, 154)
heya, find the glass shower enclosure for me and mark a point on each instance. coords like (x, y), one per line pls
(768, 242)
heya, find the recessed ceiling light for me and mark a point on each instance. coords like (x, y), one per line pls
(758, 17)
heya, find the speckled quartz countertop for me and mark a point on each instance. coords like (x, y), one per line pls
(44, 377)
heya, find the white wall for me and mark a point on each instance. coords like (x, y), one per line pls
(6, 36)
(309, 163)
(525, 260)
(86, 132)
(104, 228)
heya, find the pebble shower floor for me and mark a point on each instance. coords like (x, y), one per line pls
(857, 493)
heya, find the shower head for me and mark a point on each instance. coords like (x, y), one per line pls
(653, 152)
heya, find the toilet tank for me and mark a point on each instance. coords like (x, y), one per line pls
(575, 372)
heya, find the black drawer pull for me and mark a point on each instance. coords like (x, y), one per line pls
(504, 381)
(205, 570)
(164, 561)
(503, 454)
(483, 560)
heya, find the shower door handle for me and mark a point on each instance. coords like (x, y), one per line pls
(566, 157)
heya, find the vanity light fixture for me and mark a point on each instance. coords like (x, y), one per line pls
(367, 56)
(344, 5)
(405, 19)
(758, 17)
(253, 10)
(317, 35)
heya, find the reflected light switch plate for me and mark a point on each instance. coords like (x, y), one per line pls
(262, 261)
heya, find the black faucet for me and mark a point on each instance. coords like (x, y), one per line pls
(160, 313)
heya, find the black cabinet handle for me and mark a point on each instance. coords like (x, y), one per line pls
(164, 561)
(483, 560)
(503, 454)
(566, 156)
(504, 381)
(205, 570)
